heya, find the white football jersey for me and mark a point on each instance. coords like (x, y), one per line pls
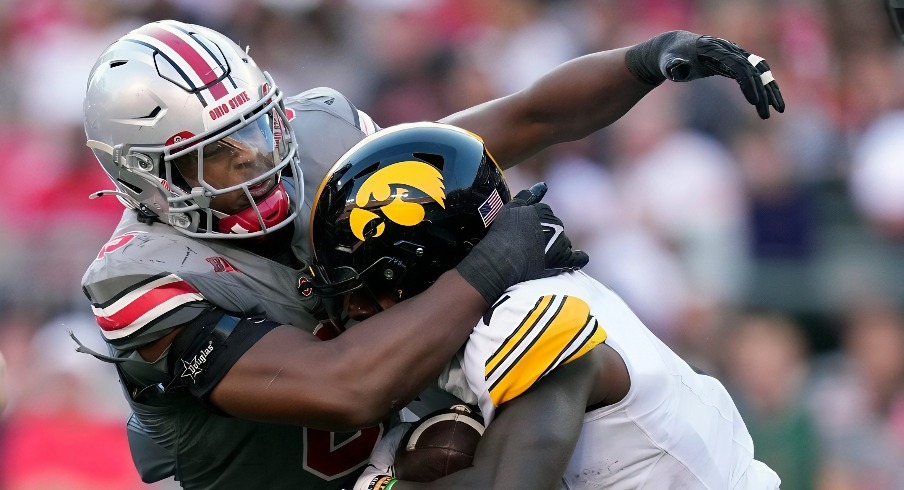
(674, 429)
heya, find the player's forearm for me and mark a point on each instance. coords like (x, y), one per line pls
(568, 103)
(396, 354)
(583, 95)
(360, 377)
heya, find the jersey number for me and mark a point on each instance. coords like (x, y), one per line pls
(116, 243)
(328, 459)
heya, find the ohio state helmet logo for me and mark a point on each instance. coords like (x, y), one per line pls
(392, 184)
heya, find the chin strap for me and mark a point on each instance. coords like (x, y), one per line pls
(145, 215)
(108, 192)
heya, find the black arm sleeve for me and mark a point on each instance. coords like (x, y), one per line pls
(208, 346)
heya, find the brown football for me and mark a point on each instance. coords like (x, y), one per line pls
(438, 444)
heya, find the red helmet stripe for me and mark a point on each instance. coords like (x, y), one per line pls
(191, 56)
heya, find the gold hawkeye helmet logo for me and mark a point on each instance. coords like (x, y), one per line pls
(394, 179)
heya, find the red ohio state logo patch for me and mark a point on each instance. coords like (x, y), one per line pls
(179, 137)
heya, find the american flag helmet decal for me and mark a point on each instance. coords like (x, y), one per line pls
(490, 208)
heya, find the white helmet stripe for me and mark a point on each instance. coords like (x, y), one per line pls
(209, 52)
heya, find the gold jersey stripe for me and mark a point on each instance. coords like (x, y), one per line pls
(560, 334)
(518, 335)
(585, 339)
(535, 333)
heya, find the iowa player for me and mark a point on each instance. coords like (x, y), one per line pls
(617, 409)
(202, 291)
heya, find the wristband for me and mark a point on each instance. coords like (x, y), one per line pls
(382, 482)
(671, 55)
(643, 61)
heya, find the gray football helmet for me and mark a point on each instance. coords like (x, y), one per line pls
(167, 96)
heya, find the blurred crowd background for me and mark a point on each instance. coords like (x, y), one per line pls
(768, 253)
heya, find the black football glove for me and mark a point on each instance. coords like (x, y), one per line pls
(682, 56)
(526, 241)
(560, 256)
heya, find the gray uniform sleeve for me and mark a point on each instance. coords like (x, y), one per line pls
(153, 461)
(138, 290)
(326, 125)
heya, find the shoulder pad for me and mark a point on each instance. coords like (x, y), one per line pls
(526, 335)
(137, 285)
(331, 101)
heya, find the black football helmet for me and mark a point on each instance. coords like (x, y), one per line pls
(400, 208)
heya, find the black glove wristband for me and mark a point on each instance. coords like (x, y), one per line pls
(668, 55)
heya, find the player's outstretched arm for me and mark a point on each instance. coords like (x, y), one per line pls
(593, 91)
(381, 364)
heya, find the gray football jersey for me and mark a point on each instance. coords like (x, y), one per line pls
(149, 278)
